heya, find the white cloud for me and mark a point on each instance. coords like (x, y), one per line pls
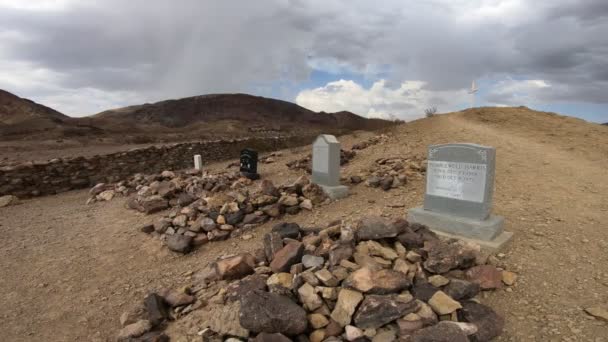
(407, 101)
(512, 92)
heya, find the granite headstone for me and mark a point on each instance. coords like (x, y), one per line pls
(459, 192)
(249, 164)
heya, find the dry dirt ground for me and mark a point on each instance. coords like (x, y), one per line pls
(69, 270)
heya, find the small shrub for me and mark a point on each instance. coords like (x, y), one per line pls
(431, 111)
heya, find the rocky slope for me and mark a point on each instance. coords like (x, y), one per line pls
(212, 116)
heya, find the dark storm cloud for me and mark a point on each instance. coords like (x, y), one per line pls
(160, 50)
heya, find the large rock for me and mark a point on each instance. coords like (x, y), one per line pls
(238, 289)
(235, 267)
(234, 218)
(287, 230)
(272, 244)
(225, 320)
(272, 313)
(346, 306)
(415, 235)
(423, 290)
(176, 298)
(375, 228)
(179, 243)
(487, 276)
(312, 261)
(445, 256)
(443, 304)
(461, 289)
(440, 332)
(489, 323)
(157, 309)
(309, 298)
(287, 256)
(207, 224)
(152, 204)
(377, 282)
(376, 311)
(341, 252)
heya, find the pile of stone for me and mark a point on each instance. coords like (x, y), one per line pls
(157, 192)
(377, 281)
(305, 163)
(378, 139)
(390, 173)
(194, 222)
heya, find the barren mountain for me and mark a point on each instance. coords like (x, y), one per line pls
(22, 118)
(199, 117)
(254, 113)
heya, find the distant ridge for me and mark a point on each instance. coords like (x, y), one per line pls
(197, 117)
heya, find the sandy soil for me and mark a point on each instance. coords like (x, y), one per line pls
(69, 270)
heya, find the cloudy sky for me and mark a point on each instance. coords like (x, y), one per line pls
(390, 58)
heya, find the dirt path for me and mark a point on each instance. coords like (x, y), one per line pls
(69, 270)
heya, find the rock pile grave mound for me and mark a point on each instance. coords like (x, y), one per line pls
(374, 280)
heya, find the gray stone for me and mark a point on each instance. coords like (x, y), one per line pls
(157, 309)
(489, 323)
(272, 313)
(312, 261)
(459, 191)
(179, 243)
(287, 230)
(461, 289)
(376, 311)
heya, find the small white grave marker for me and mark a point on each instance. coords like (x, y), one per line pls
(198, 162)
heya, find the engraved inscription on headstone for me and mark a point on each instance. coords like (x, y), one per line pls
(460, 180)
(463, 181)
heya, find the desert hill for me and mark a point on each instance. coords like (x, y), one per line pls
(198, 117)
(255, 113)
(17, 110)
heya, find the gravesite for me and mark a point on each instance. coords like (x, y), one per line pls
(353, 196)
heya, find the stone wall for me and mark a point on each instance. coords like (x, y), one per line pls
(60, 175)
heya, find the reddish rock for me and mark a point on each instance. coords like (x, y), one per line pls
(377, 282)
(487, 276)
(235, 267)
(287, 256)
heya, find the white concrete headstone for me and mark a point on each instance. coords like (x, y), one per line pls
(198, 162)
